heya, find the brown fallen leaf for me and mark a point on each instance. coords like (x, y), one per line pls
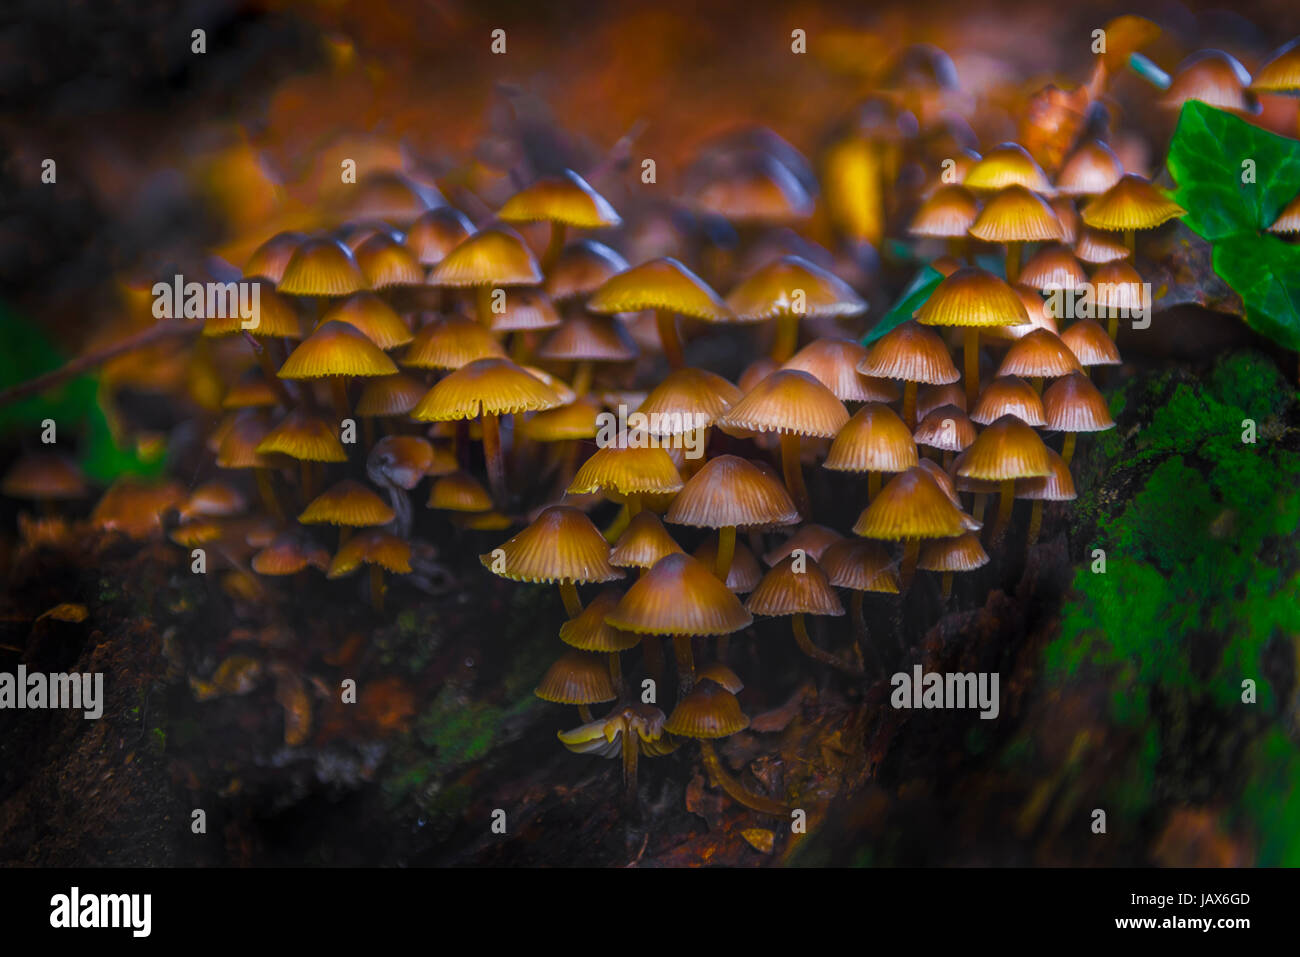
(760, 839)
(66, 612)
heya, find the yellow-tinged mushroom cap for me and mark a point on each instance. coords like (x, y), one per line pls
(347, 503)
(1017, 215)
(792, 286)
(972, 297)
(1281, 74)
(450, 343)
(961, 554)
(1132, 203)
(578, 677)
(660, 284)
(627, 471)
(302, 436)
(321, 267)
(1007, 449)
(785, 590)
(561, 545)
(874, 440)
(679, 596)
(910, 353)
(912, 506)
(709, 711)
(788, 402)
(373, 317)
(566, 199)
(589, 632)
(1007, 165)
(336, 349)
(485, 387)
(834, 363)
(643, 542)
(495, 256)
(731, 492)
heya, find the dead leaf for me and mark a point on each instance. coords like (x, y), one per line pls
(66, 612)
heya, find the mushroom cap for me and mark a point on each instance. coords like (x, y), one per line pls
(946, 428)
(1053, 266)
(386, 263)
(1132, 203)
(812, 539)
(1039, 318)
(1073, 404)
(744, 572)
(134, 507)
(785, 591)
(525, 309)
(1119, 288)
(353, 234)
(581, 269)
(289, 554)
(270, 259)
(912, 506)
(860, 564)
(305, 437)
(252, 391)
(459, 492)
(1066, 212)
(588, 632)
(213, 499)
(1096, 246)
(276, 318)
(240, 442)
(390, 395)
(729, 491)
(578, 677)
(577, 420)
(561, 545)
(679, 596)
(1056, 487)
(567, 199)
(404, 460)
(720, 675)
(1281, 74)
(912, 353)
(972, 297)
(373, 317)
(788, 402)
(941, 478)
(1213, 77)
(200, 532)
(834, 363)
(961, 554)
(710, 711)
(686, 399)
(485, 387)
(1039, 353)
(585, 337)
(874, 440)
(1008, 164)
(347, 503)
(436, 233)
(451, 342)
(643, 542)
(931, 397)
(1007, 449)
(1090, 170)
(1288, 221)
(1088, 340)
(336, 349)
(754, 187)
(566, 394)
(495, 256)
(44, 476)
(771, 291)
(948, 213)
(1017, 215)
(660, 284)
(388, 194)
(321, 267)
(627, 471)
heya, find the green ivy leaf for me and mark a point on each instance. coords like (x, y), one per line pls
(1265, 272)
(1207, 157)
(913, 298)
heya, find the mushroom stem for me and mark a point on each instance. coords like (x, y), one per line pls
(572, 603)
(483, 305)
(307, 480)
(1013, 261)
(377, 588)
(633, 505)
(492, 453)
(945, 586)
(726, 552)
(266, 489)
(972, 347)
(787, 337)
(668, 338)
(800, 627)
(617, 527)
(734, 789)
(1006, 499)
(685, 664)
(873, 485)
(980, 503)
(720, 648)
(1067, 448)
(652, 655)
(1035, 521)
(1037, 383)
(582, 378)
(1130, 240)
(906, 571)
(793, 472)
(909, 404)
(1112, 327)
(616, 671)
(553, 248)
(269, 372)
(584, 712)
(339, 393)
(630, 752)
(947, 461)
(856, 601)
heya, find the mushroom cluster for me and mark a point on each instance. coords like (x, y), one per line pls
(489, 358)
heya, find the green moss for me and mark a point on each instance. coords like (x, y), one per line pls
(1201, 557)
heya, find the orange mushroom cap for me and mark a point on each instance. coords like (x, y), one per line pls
(744, 572)
(948, 213)
(390, 395)
(1091, 169)
(321, 267)
(812, 539)
(946, 428)
(581, 269)
(710, 711)
(347, 503)
(793, 286)
(44, 476)
(643, 542)
(688, 398)
(679, 596)
(785, 591)
(860, 564)
(289, 554)
(450, 343)
(1132, 203)
(911, 353)
(731, 492)
(485, 387)
(912, 506)
(1053, 266)
(495, 256)
(525, 309)
(1090, 344)
(973, 297)
(459, 492)
(578, 677)
(788, 402)
(1281, 74)
(373, 317)
(1213, 77)
(1073, 404)
(270, 259)
(585, 337)
(302, 436)
(436, 233)
(1017, 215)
(1007, 449)
(386, 263)
(1008, 164)
(567, 199)
(276, 318)
(874, 440)
(589, 632)
(561, 545)
(961, 554)
(336, 349)
(660, 284)
(1039, 354)
(834, 363)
